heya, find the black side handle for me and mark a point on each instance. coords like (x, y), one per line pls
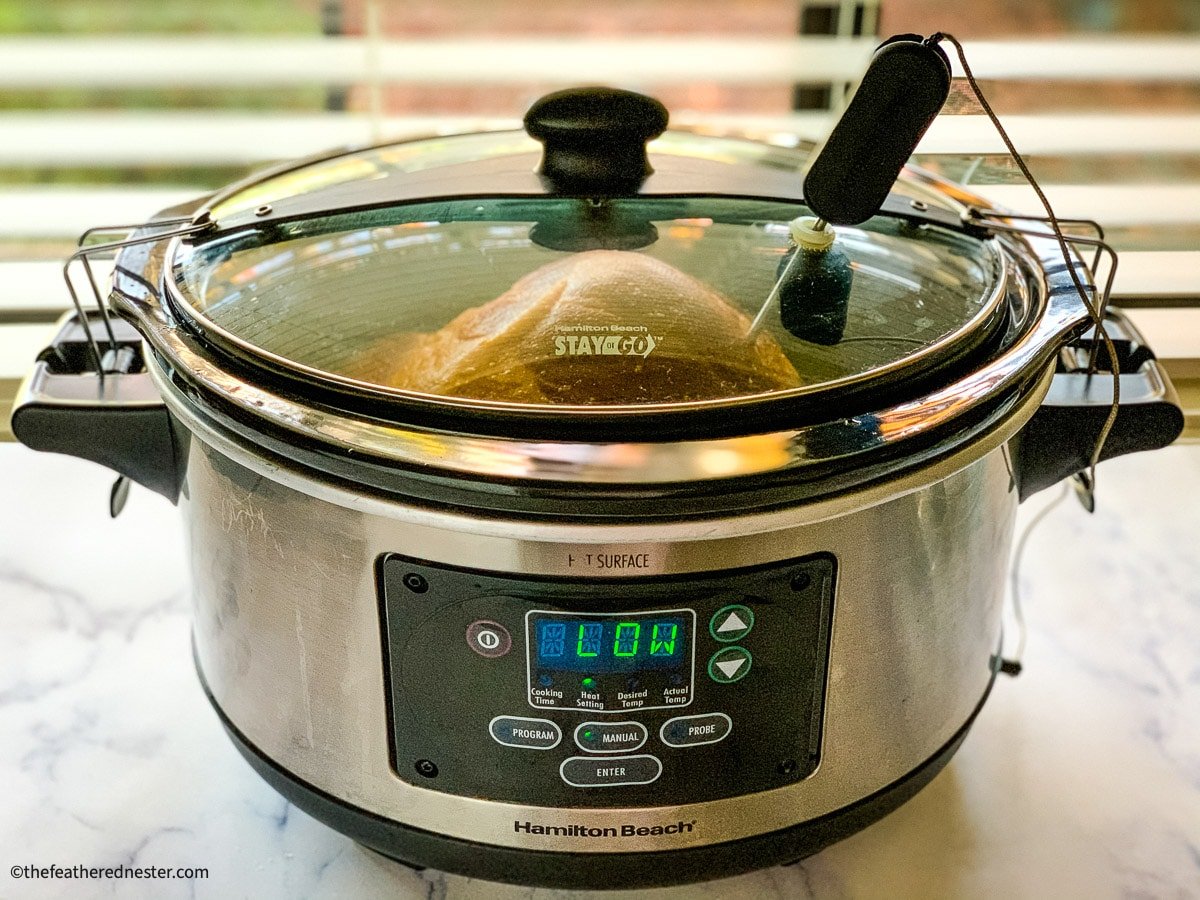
(595, 139)
(1058, 441)
(119, 422)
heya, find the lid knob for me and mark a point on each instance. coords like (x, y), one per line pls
(595, 139)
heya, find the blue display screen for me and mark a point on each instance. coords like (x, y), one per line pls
(611, 643)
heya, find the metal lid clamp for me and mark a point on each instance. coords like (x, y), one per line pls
(902, 91)
(140, 233)
(1111, 418)
(100, 404)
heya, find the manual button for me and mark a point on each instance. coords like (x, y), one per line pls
(532, 734)
(692, 731)
(610, 737)
(609, 771)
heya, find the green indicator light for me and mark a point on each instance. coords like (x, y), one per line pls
(589, 682)
(588, 735)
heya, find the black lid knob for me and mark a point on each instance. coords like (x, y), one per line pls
(595, 139)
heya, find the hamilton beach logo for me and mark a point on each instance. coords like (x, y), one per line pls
(604, 340)
(583, 831)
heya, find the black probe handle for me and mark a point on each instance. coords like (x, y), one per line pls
(901, 93)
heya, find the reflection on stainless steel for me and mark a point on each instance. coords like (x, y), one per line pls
(287, 629)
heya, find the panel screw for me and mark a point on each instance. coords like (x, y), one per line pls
(427, 768)
(416, 583)
(263, 210)
(919, 205)
(787, 767)
(801, 581)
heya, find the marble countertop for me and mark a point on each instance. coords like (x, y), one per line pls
(1081, 778)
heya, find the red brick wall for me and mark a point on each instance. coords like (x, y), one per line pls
(580, 18)
(1006, 18)
(766, 18)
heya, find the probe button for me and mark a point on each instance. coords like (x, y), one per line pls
(531, 734)
(692, 731)
(610, 737)
(609, 771)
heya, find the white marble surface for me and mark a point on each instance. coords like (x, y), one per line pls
(1080, 779)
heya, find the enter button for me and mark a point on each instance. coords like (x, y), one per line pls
(609, 771)
(691, 731)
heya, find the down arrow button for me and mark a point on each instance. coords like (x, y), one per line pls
(729, 664)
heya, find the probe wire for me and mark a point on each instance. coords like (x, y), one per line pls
(1018, 609)
(1093, 309)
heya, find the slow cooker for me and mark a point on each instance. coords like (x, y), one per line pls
(537, 534)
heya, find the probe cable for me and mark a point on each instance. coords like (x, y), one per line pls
(1095, 311)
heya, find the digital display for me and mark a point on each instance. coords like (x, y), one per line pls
(610, 645)
(608, 662)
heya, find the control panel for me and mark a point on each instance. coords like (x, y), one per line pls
(597, 693)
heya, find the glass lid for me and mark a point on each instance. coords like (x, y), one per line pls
(581, 303)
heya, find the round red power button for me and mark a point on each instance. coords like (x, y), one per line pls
(487, 638)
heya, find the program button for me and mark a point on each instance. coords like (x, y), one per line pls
(531, 734)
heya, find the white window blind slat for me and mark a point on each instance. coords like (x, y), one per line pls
(58, 212)
(171, 61)
(200, 138)
(65, 212)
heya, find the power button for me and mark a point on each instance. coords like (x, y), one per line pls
(487, 638)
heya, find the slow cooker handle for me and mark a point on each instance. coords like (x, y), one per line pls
(118, 421)
(1058, 441)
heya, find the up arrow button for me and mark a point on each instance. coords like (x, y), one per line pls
(731, 623)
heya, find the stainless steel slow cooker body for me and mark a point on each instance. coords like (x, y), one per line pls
(288, 640)
(378, 577)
